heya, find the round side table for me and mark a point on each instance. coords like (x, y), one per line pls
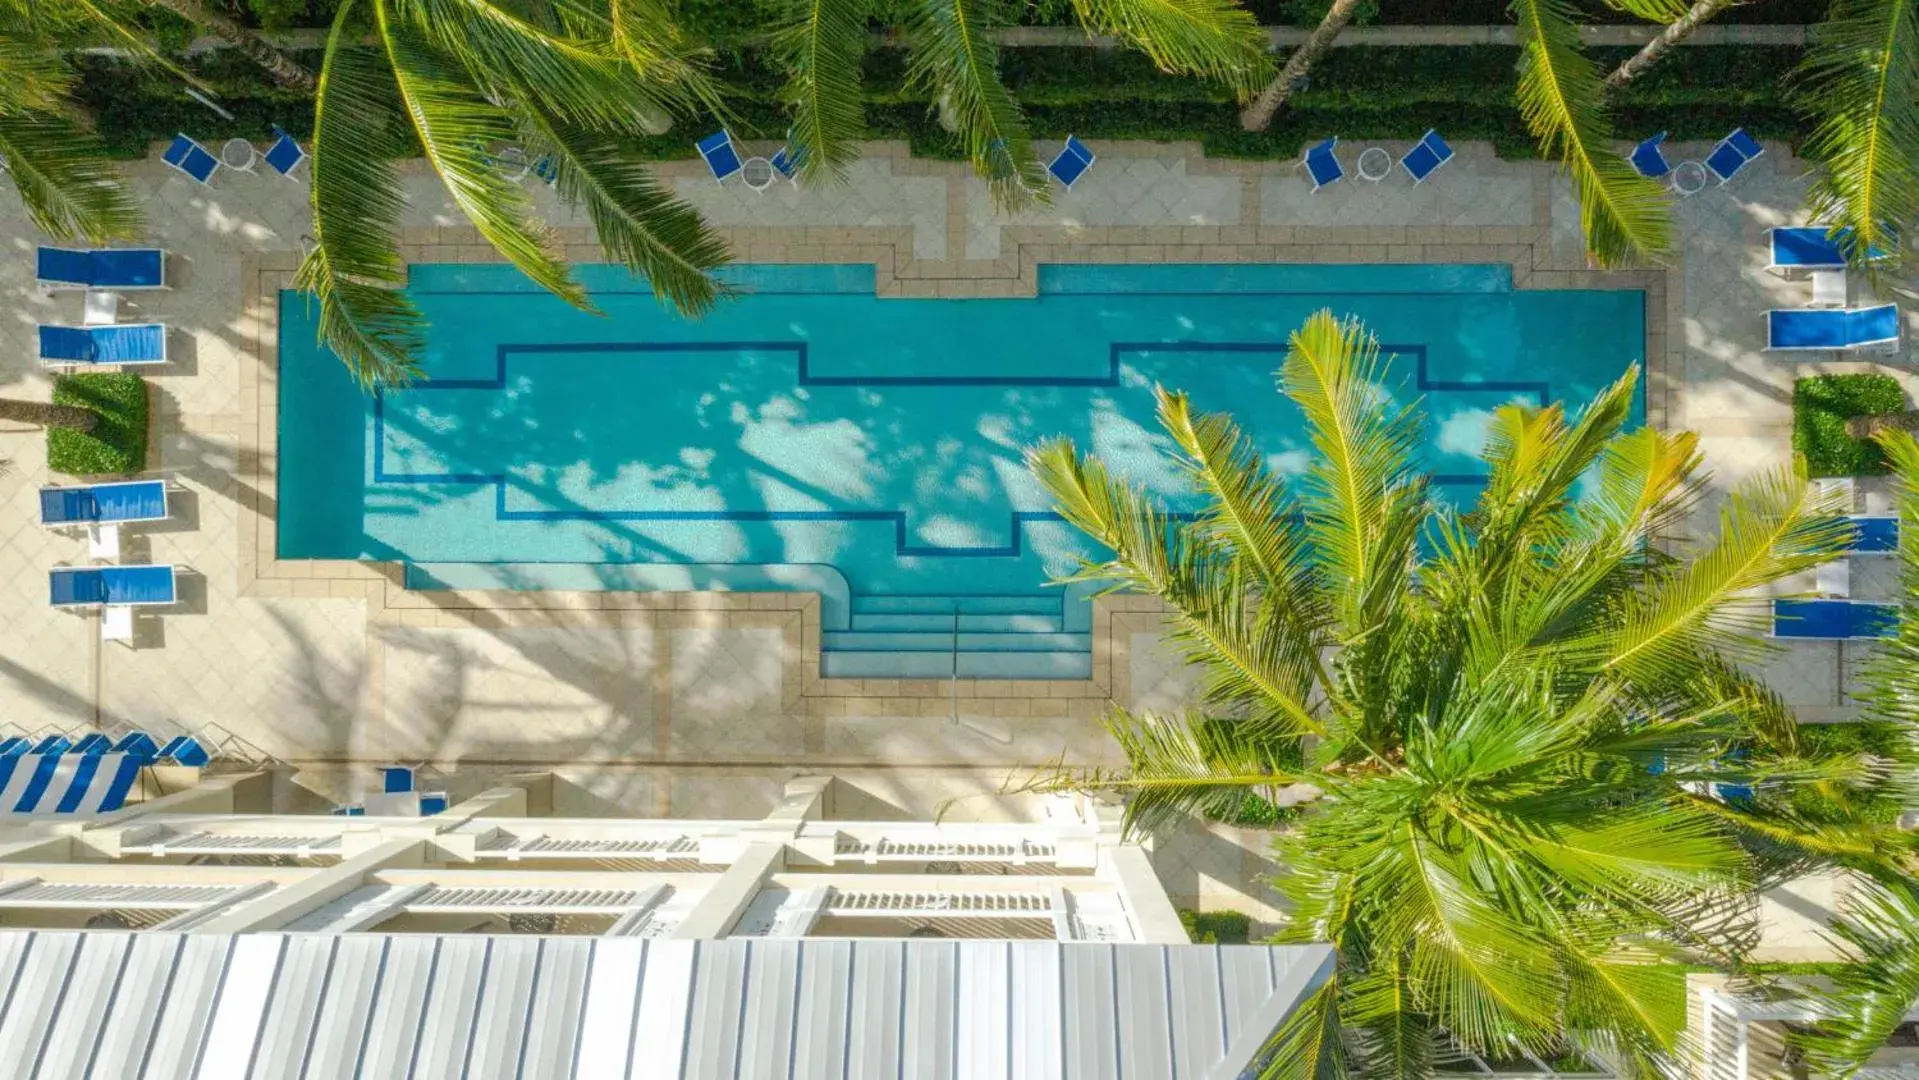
(238, 154)
(1688, 178)
(756, 173)
(1375, 164)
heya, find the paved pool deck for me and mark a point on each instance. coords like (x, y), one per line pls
(679, 703)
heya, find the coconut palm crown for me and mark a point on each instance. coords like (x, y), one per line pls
(1532, 771)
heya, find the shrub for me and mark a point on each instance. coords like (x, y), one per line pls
(1822, 404)
(1216, 927)
(118, 443)
(1877, 739)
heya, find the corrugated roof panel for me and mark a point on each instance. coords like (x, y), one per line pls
(1246, 981)
(287, 1031)
(1196, 1013)
(926, 1047)
(394, 1025)
(713, 1026)
(1035, 1010)
(340, 1030)
(820, 1020)
(34, 1000)
(245, 994)
(137, 1004)
(873, 1037)
(1087, 1027)
(766, 1029)
(500, 1025)
(446, 1026)
(607, 1012)
(1144, 1012)
(666, 992)
(187, 1006)
(83, 1008)
(982, 1026)
(553, 1013)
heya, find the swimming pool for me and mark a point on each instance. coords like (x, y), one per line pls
(811, 433)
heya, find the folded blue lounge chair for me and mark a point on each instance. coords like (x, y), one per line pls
(720, 154)
(186, 750)
(119, 269)
(1733, 154)
(192, 159)
(1832, 620)
(97, 586)
(397, 779)
(285, 154)
(66, 783)
(137, 744)
(1811, 247)
(432, 802)
(1832, 328)
(104, 504)
(1071, 164)
(1649, 160)
(1426, 157)
(93, 743)
(787, 163)
(1322, 164)
(131, 343)
(53, 744)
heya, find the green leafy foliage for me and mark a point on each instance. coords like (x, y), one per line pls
(1308, 13)
(1216, 927)
(1822, 404)
(118, 443)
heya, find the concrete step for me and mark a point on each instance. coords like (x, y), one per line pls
(1036, 604)
(918, 665)
(934, 624)
(861, 641)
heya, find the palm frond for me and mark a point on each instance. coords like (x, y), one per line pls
(1391, 1036)
(1307, 1044)
(820, 42)
(639, 221)
(1625, 216)
(1893, 672)
(1861, 83)
(646, 34)
(1216, 39)
(1659, 11)
(1874, 991)
(354, 269)
(954, 56)
(63, 175)
(458, 128)
(478, 49)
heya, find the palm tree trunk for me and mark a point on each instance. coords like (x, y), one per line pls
(1680, 29)
(1868, 427)
(41, 414)
(1257, 115)
(257, 49)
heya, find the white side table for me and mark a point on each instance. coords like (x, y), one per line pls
(1375, 164)
(238, 154)
(1689, 178)
(756, 173)
(100, 308)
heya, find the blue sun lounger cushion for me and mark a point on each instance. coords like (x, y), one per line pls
(1071, 163)
(1648, 160)
(192, 159)
(103, 504)
(720, 154)
(1321, 163)
(119, 269)
(1832, 328)
(93, 586)
(1811, 247)
(130, 343)
(1832, 620)
(1425, 158)
(285, 154)
(1733, 154)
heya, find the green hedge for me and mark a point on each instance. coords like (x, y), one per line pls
(1887, 742)
(1216, 927)
(1822, 404)
(1357, 93)
(118, 443)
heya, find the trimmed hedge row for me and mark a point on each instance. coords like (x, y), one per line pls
(1822, 404)
(118, 443)
(1359, 93)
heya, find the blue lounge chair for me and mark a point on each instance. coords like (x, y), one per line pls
(1649, 160)
(787, 163)
(1321, 164)
(1873, 534)
(137, 744)
(53, 744)
(720, 154)
(1832, 620)
(103, 504)
(397, 779)
(111, 586)
(1426, 157)
(1733, 154)
(432, 802)
(186, 750)
(1811, 247)
(1845, 329)
(196, 161)
(1071, 163)
(285, 154)
(119, 269)
(93, 743)
(547, 169)
(132, 343)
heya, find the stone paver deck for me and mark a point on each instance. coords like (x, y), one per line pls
(661, 703)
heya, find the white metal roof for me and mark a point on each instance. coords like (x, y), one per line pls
(318, 1006)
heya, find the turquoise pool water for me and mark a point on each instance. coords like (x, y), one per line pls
(810, 423)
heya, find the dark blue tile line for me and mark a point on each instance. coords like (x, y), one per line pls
(902, 546)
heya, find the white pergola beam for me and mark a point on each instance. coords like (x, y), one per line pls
(733, 891)
(318, 887)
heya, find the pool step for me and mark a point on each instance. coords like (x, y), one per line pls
(943, 624)
(859, 641)
(1036, 604)
(975, 665)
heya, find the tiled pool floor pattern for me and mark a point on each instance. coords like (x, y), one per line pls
(811, 424)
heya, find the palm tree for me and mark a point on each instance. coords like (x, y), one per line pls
(42, 414)
(1256, 116)
(250, 44)
(462, 79)
(820, 43)
(1503, 724)
(1861, 84)
(1676, 31)
(1878, 925)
